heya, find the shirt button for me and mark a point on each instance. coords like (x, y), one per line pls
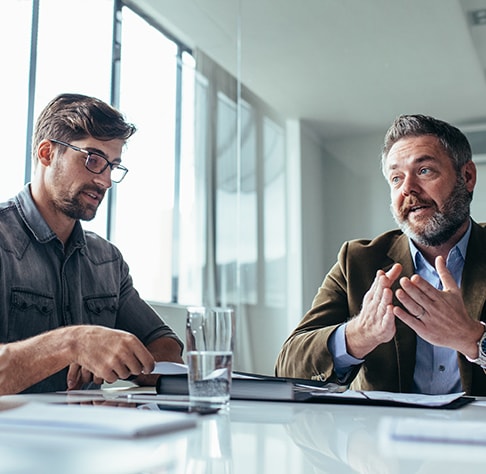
(441, 368)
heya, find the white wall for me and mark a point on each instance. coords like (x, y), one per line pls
(343, 196)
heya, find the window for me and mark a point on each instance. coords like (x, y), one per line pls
(200, 217)
(145, 202)
(78, 63)
(14, 92)
(244, 143)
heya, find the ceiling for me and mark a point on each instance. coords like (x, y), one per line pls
(345, 67)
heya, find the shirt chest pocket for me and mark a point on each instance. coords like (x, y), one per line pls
(30, 314)
(101, 310)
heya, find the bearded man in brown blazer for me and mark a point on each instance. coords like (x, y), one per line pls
(403, 312)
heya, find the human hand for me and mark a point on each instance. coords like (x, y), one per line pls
(78, 376)
(162, 348)
(375, 324)
(103, 354)
(438, 316)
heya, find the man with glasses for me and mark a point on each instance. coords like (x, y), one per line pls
(69, 312)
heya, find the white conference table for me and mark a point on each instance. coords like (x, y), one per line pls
(255, 437)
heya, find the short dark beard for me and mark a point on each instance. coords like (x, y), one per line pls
(445, 223)
(74, 208)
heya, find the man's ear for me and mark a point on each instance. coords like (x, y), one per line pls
(45, 152)
(469, 175)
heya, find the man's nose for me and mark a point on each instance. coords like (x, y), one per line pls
(410, 185)
(104, 179)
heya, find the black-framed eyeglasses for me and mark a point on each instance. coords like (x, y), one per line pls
(97, 163)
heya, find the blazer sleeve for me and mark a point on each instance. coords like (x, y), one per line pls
(305, 353)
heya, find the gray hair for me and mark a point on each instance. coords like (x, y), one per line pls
(451, 138)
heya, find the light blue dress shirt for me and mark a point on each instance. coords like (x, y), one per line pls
(436, 369)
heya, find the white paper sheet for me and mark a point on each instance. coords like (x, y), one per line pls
(169, 368)
(93, 420)
(413, 430)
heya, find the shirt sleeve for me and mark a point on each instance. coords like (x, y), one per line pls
(343, 362)
(136, 316)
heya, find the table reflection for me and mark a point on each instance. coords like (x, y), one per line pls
(341, 439)
(209, 448)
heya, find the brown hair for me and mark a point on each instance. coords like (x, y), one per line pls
(74, 116)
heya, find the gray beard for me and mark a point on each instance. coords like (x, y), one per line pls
(443, 224)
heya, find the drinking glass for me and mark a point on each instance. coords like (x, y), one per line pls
(209, 353)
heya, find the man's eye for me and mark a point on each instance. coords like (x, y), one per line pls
(95, 163)
(93, 159)
(424, 171)
(395, 179)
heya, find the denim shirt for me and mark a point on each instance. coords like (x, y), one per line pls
(46, 285)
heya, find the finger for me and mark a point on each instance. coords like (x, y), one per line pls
(410, 320)
(386, 300)
(123, 371)
(86, 375)
(136, 362)
(394, 273)
(97, 380)
(414, 305)
(146, 360)
(377, 283)
(73, 376)
(382, 281)
(135, 357)
(389, 316)
(419, 290)
(110, 376)
(448, 282)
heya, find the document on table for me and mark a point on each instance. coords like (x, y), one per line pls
(118, 422)
(391, 397)
(249, 386)
(420, 430)
(169, 368)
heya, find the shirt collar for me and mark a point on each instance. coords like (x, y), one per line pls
(37, 225)
(461, 247)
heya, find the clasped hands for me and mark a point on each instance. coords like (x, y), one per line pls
(437, 316)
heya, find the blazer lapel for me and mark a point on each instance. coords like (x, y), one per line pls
(473, 288)
(405, 338)
(473, 284)
(400, 253)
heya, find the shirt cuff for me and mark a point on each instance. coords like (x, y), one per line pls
(343, 362)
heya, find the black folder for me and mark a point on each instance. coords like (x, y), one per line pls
(245, 386)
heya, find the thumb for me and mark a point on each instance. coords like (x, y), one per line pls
(448, 282)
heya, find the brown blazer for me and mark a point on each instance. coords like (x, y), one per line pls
(391, 365)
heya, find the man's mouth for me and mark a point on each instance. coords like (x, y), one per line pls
(416, 208)
(94, 195)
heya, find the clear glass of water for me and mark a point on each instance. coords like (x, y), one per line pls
(209, 353)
